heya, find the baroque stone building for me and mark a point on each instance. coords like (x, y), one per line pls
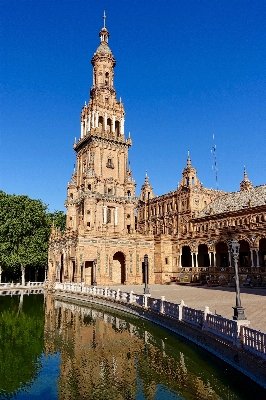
(101, 243)
(185, 233)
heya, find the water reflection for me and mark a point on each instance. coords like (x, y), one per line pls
(52, 349)
(104, 356)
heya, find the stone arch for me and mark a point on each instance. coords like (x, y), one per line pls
(108, 125)
(100, 123)
(186, 258)
(262, 252)
(118, 268)
(221, 249)
(244, 253)
(203, 256)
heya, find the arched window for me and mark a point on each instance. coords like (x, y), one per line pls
(109, 213)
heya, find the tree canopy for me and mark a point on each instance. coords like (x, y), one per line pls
(25, 227)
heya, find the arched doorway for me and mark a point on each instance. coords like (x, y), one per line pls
(262, 253)
(88, 273)
(186, 257)
(221, 255)
(244, 254)
(119, 268)
(203, 256)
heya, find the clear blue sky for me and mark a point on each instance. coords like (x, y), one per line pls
(186, 70)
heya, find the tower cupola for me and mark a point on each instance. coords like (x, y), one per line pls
(245, 184)
(146, 190)
(189, 175)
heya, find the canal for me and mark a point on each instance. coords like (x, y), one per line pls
(57, 350)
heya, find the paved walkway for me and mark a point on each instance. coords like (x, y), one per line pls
(219, 299)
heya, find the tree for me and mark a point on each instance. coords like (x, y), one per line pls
(59, 220)
(24, 233)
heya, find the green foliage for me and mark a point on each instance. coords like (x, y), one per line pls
(25, 227)
(59, 220)
(21, 335)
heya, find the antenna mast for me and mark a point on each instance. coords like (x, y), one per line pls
(214, 167)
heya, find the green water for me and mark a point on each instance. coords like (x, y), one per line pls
(54, 350)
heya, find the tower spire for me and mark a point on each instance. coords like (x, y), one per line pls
(104, 19)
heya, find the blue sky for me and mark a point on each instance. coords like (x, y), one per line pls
(186, 70)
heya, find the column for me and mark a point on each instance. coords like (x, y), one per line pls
(104, 214)
(89, 122)
(229, 259)
(196, 259)
(192, 255)
(97, 119)
(252, 261)
(116, 208)
(258, 258)
(214, 259)
(85, 126)
(81, 129)
(180, 260)
(105, 122)
(92, 119)
(113, 124)
(210, 258)
(122, 122)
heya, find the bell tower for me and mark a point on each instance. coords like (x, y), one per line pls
(101, 194)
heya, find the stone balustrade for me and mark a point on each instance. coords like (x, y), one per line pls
(230, 330)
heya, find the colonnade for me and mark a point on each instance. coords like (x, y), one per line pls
(213, 259)
(92, 121)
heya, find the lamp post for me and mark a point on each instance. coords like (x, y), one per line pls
(146, 288)
(238, 309)
(94, 283)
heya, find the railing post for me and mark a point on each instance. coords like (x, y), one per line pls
(118, 294)
(145, 301)
(180, 310)
(162, 304)
(205, 324)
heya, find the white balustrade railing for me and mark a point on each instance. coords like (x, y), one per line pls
(253, 340)
(19, 285)
(227, 329)
(192, 316)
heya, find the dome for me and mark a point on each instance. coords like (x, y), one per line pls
(103, 49)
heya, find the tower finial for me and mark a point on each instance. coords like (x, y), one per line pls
(104, 18)
(188, 158)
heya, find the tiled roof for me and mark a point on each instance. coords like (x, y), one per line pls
(235, 201)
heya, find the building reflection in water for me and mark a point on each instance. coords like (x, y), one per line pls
(106, 357)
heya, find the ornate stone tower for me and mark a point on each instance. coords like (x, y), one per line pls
(101, 194)
(101, 245)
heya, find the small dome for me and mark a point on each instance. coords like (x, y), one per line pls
(103, 49)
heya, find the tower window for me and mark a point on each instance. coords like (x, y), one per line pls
(109, 212)
(89, 187)
(109, 163)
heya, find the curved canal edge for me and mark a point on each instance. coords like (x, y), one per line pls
(249, 364)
